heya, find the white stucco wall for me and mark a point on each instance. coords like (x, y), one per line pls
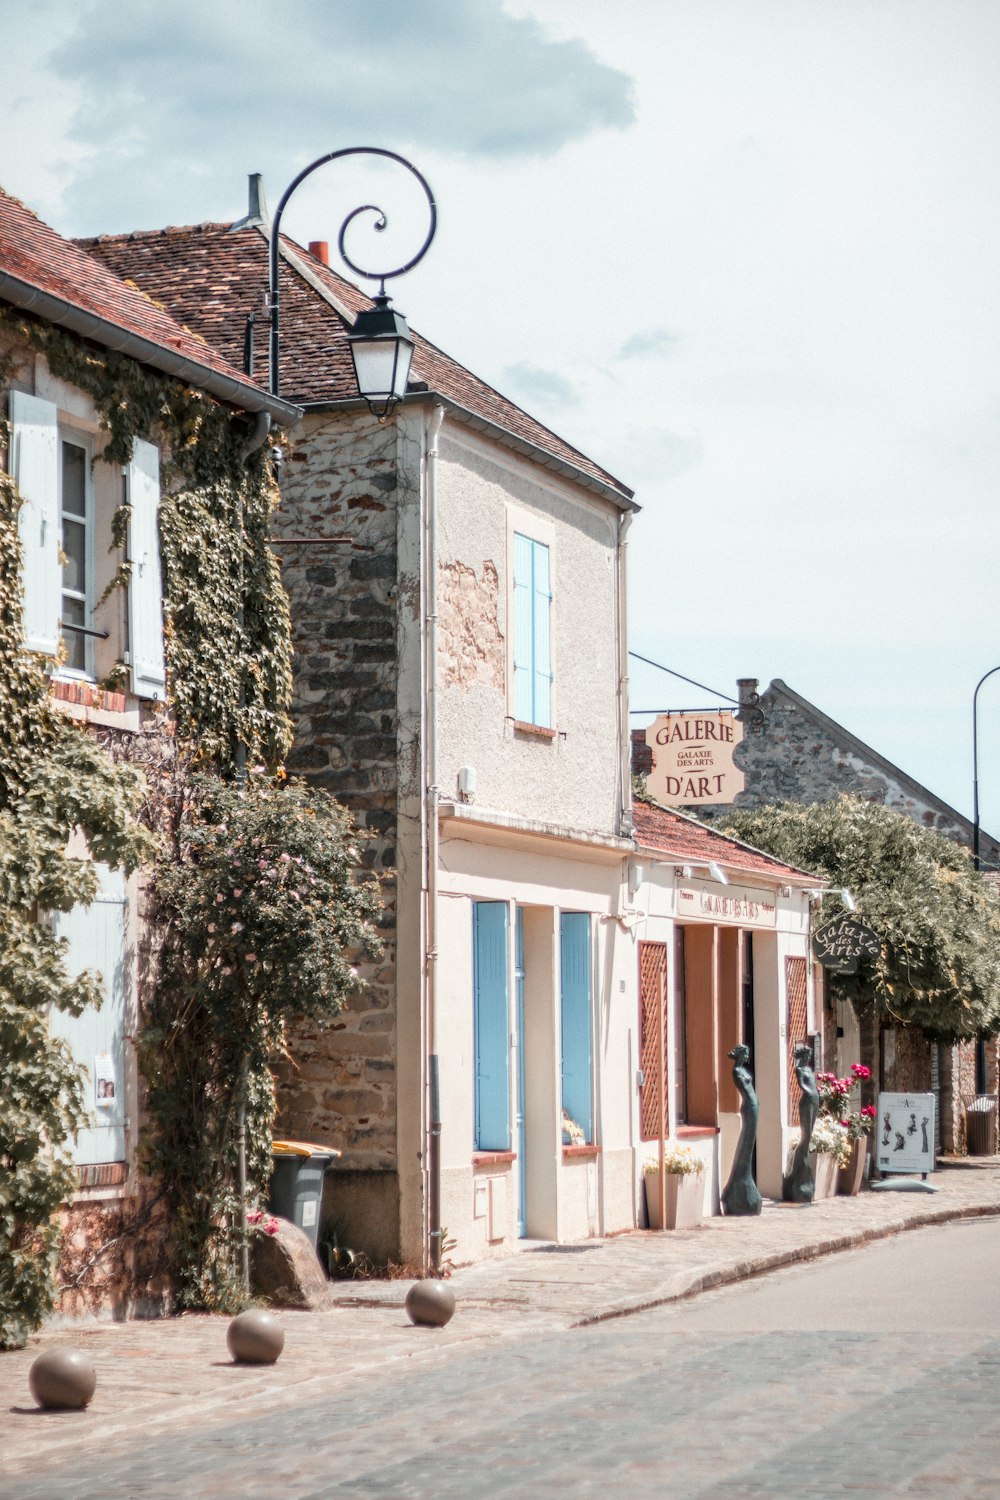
(571, 777)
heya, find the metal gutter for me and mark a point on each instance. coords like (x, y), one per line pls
(110, 335)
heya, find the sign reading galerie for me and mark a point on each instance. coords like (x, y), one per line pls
(741, 906)
(693, 759)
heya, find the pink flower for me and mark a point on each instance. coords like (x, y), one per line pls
(254, 1216)
(271, 1227)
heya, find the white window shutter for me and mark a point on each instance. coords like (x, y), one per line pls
(149, 679)
(35, 426)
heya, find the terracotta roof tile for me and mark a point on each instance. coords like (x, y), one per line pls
(34, 254)
(212, 276)
(670, 833)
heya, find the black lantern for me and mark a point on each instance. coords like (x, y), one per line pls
(381, 348)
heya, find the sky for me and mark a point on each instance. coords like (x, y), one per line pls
(743, 253)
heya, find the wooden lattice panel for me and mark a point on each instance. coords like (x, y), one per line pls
(652, 1005)
(798, 1023)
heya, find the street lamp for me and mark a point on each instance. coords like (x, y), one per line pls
(975, 769)
(381, 346)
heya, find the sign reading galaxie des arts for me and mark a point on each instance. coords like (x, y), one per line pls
(693, 759)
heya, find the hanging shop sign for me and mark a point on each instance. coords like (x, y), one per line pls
(840, 944)
(905, 1139)
(728, 905)
(693, 759)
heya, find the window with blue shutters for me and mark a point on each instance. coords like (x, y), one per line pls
(575, 1008)
(492, 1025)
(532, 631)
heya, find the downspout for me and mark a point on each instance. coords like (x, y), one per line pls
(624, 740)
(433, 794)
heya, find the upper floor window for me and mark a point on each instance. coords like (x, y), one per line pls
(65, 531)
(532, 632)
(76, 538)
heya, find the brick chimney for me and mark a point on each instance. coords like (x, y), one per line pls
(320, 250)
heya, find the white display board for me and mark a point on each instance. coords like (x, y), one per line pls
(904, 1133)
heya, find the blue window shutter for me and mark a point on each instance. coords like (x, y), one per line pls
(492, 1025)
(532, 632)
(542, 602)
(524, 643)
(95, 936)
(35, 426)
(145, 592)
(574, 955)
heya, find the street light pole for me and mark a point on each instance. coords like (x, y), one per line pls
(975, 768)
(378, 331)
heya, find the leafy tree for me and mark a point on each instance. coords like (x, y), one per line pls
(263, 918)
(939, 921)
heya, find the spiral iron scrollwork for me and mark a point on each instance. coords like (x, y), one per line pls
(381, 221)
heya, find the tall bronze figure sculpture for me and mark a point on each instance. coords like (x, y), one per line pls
(741, 1194)
(799, 1186)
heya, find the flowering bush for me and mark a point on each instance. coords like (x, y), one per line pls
(835, 1101)
(266, 1223)
(830, 1138)
(678, 1160)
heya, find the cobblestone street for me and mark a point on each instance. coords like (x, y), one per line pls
(539, 1385)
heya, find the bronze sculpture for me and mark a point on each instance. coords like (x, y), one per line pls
(799, 1186)
(741, 1194)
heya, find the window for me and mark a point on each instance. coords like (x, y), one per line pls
(491, 1024)
(76, 540)
(65, 503)
(574, 969)
(95, 936)
(532, 632)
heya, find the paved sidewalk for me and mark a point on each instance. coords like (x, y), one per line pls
(173, 1376)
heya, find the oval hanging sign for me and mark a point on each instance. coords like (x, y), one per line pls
(840, 944)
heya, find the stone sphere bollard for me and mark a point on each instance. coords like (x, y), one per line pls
(255, 1337)
(430, 1303)
(62, 1380)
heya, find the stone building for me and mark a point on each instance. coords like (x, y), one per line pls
(88, 629)
(797, 753)
(457, 583)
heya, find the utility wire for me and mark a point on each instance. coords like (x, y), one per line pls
(691, 680)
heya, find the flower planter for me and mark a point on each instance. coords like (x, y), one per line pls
(850, 1178)
(824, 1170)
(684, 1200)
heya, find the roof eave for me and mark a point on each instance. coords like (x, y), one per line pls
(622, 498)
(29, 298)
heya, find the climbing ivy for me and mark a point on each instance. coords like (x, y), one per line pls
(260, 916)
(227, 632)
(54, 780)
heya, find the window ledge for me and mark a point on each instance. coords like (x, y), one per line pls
(103, 1174)
(581, 1153)
(695, 1132)
(91, 704)
(538, 730)
(493, 1158)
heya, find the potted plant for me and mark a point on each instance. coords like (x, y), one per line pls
(837, 1102)
(830, 1149)
(683, 1189)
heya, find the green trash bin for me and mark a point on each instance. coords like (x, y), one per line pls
(297, 1172)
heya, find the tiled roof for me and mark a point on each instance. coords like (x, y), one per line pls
(676, 836)
(34, 257)
(212, 276)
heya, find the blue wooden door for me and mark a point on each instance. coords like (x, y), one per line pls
(492, 1025)
(575, 1008)
(95, 935)
(520, 1143)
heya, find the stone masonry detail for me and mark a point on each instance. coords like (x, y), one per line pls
(341, 480)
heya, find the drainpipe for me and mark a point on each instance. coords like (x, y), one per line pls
(433, 794)
(624, 742)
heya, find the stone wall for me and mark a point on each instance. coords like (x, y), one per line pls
(341, 480)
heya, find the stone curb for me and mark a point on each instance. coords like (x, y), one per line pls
(776, 1259)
